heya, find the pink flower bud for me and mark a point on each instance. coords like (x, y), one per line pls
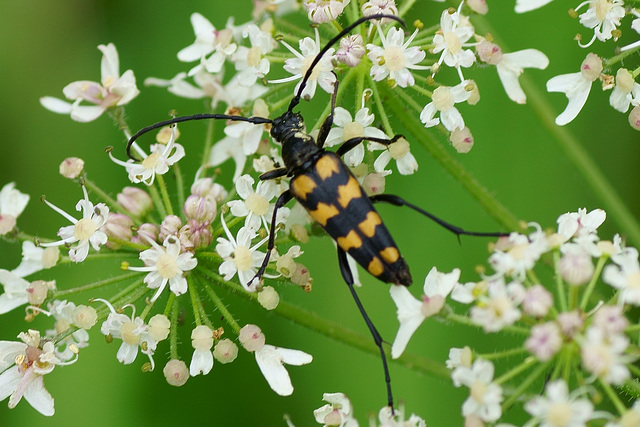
(118, 226)
(169, 227)
(351, 50)
(634, 117)
(149, 230)
(200, 208)
(462, 140)
(176, 372)
(251, 337)
(478, 6)
(71, 167)
(135, 200)
(225, 351)
(489, 52)
(374, 183)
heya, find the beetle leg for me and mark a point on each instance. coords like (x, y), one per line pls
(273, 174)
(328, 122)
(282, 200)
(398, 201)
(353, 142)
(348, 278)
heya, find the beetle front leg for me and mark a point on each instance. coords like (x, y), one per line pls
(282, 200)
(328, 122)
(350, 144)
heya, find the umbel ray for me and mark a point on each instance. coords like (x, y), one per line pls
(324, 186)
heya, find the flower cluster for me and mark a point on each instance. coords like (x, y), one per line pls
(574, 336)
(605, 18)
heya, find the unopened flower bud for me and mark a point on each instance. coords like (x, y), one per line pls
(196, 235)
(202, 338)
(576, 267)
(84, 316)
(206, 187)
(176, 372)
(225, 351)
(301, 276)
(478, 6)
(591, 67)
(159, 327)
(135, 200)
(374, 183)
(251, 337)
(537, 301)
(149, 230)
(570, 323)
(7, 223)
(610, 318)
(118, 226)
(71, 167)
(351, 50)
(164, 135)
(489, 52)
(300, 233)
(380, 7)
(634, 117)
(50, 256)
(268, 298)
(461, 140)
(169, 227)
(200, 208)
(624, 80)
(37, 292)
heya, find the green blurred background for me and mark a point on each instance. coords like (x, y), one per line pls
(46, 45)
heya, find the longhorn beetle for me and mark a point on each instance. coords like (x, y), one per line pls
(325, 187)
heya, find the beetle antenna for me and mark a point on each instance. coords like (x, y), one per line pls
(334, 40)
(204, 116)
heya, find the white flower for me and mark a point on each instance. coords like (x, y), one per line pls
(22, 367)
(395, 58)
(625, 92)
(114, 90)
(455, 31)
(512, 65)
(337, 412)
(380, 7)
(133, 332)
(271, 359)
(399, 151)
(85, 231)
(559, 408)
(443, 100)
(178, 86)
(252, 62)
(35, 258)
(12, 203)
(208, 40)
(256, 205)
(581, 223)
(500, 307)
(603, 16)
(63, 313)
(201, 341)
(162, 156)
(484, 396)
(576, 86)
(388, 418)
(527, 5)
(320, 11)
(518, 253)
(603, 355)
(412, 312)
(166, 265)
(239, 256)
(322, 73)
(347, 128)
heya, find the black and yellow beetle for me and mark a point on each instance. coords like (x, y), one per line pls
(322, 183)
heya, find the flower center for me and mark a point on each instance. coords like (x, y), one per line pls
(500, 306)
(431, 306)
(128, 333)
(603, 7)
(478, 390)
(167, 266)
(352, 130)
(306, 63)
(242, 257)
(559, 414)
(394, 58)
(151, 161)
(253, 56)
(399, 149)
(442, 98)
(453, 42)
(517, 252)
(84, 229)
(257, 204)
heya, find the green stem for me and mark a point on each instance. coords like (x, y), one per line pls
(503, 354)
(173, 336)
(165, 194)
(94, 285)
(157, 200)
(526, 364)
(589, 289)
(194, 300)
(615, 399)
(559, 283)
(179, 185)
(226, 314)
(524, 385)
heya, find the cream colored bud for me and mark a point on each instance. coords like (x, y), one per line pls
(50, 256)
(475, 92)
(225, 351)
(268, 298)
(251, 337)
(135, 200)
(489, 52)
(84, 316)
(374, 183)
(202, 338)
(169, 227)
(118, 227)
(301, 276)
(71, 167)
(634, 118)
(591, 67)
(478, 6)
(159, 326)
(286, 266)
(164, 135)
(37, 292)
(300, 233)
(176, 372)
(461, 140)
